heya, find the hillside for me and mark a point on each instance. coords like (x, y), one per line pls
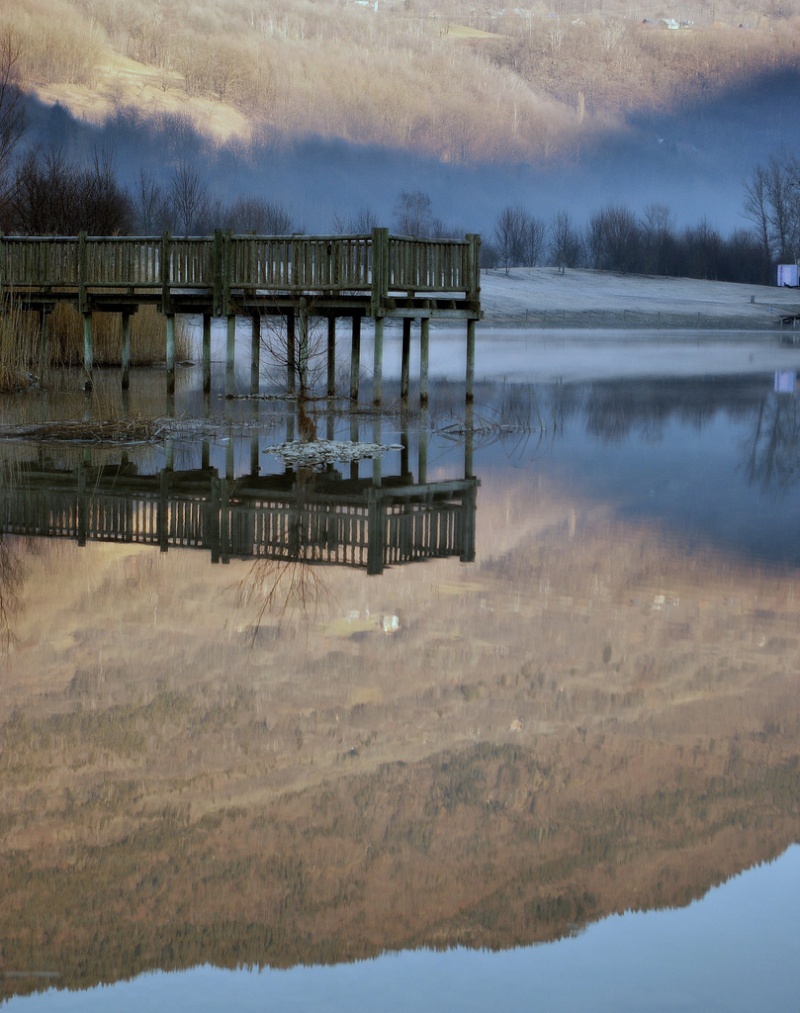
(525, 85)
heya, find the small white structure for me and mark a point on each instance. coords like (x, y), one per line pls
(788, 275)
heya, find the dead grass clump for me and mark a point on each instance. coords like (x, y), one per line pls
(108, 431)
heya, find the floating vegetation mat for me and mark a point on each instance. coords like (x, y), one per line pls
(119, 431)
(319, 453)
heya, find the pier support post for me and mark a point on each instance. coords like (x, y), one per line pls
(44, 313)
(469, 440)
(170, 353)
(355, 358)
(405, 367)
(290, 352)
(230, 356)
(125, 361)
(302, 364)
(422, 467)
(470, 384)
(377, 373)
(424, 346)
(88, 352)
(206, 353)
(255, 353)
(331, 356)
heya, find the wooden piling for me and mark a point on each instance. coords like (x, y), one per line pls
(170, 353)
(255, 352)
(355, 358)
(88, 352)
(290, 352)
(424, 343)
(470, 378)
(377, 367)
(125, 360)
(230, 357)
(206, 353)
(331, 356)
(405, 363)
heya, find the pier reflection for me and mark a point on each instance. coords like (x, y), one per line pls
(298, 517)
(301, 515)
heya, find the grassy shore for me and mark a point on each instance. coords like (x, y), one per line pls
(545, 297)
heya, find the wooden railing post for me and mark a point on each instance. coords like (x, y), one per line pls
(474, 269)
(380, 270)
(166, 292)
(227, 272)
(218, 271)
(83, 270)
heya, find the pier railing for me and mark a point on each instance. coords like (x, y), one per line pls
(376, 266)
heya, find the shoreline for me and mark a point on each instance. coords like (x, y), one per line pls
(545, 299)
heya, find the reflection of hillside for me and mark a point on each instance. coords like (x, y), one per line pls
(588, 721)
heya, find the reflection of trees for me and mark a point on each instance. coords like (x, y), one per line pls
(614, 410)
(774, 457)
(290, 583)
(12, 574)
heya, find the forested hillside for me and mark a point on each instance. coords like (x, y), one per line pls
(458, 82)
(603, 134)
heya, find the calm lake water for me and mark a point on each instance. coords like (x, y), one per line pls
(547, 758)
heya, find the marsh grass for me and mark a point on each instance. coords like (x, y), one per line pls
(148, 337)
(21, 365)
(18, 348)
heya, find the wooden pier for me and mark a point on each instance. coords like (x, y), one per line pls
(376, 276)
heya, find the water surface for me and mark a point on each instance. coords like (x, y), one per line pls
(271, 783)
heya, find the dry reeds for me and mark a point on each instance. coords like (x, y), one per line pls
(18, 348)
(23, 359)
(99, 431)
(148, 341)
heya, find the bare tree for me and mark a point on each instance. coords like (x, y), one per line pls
(150, 204)
(53, 196)
(260, 217)
(519, 238)
(360, 223)
(658, 240)
(106, 207)
(756, 208)
(508, 236)
(189, 199)
(613, 239)
(566, 245)
(414, 214)
(772, 203)
(12, 113)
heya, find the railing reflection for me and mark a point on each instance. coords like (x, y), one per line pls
(311, 518)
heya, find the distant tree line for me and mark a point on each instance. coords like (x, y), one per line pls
(615, 238)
